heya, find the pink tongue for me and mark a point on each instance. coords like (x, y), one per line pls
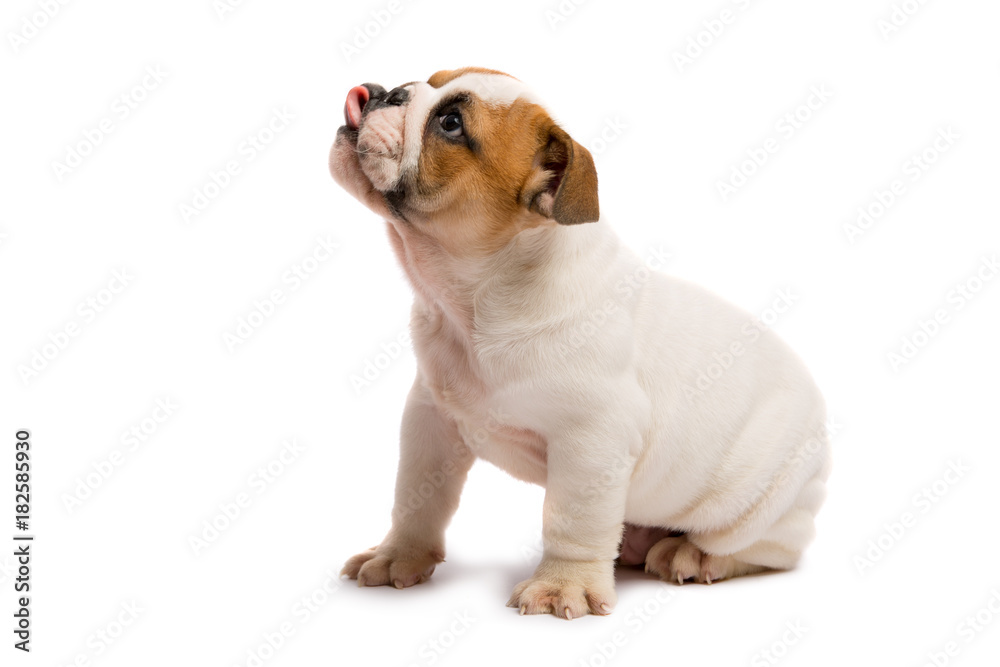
(357, 98)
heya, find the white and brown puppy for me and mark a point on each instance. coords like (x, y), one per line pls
(547, 348)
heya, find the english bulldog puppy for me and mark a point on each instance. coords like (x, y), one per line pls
(669, 428)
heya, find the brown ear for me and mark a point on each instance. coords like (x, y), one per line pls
(564, 184)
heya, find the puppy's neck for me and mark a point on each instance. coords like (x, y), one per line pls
(535, 266)
(443, 282)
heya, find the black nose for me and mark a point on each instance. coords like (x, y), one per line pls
(380, 97)
(397, 97)
(375, 91)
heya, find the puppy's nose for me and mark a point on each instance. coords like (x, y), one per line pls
(397, 96)
(381, 98)
(367, 97)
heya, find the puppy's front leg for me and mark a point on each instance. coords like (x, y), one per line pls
(433, 465)
(588, 473)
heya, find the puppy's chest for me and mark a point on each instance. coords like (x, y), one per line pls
(481, 406)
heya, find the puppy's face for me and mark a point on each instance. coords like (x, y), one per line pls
(469, 158)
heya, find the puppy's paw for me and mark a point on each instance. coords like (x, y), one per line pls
(392, 565)
(567, 589)
(717, 568)
(675, 559)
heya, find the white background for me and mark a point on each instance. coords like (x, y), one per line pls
(672, 131)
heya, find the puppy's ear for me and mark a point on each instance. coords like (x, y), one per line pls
(563, 183)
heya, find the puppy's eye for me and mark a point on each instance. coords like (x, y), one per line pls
(451, 123)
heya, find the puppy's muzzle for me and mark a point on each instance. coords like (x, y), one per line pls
(368, 97)
(374, 123)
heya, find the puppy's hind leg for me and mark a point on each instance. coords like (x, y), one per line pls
(704, 557)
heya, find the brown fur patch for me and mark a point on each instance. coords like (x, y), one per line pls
(444, 76)
(473, 198)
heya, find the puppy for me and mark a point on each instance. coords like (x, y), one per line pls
(548, 349)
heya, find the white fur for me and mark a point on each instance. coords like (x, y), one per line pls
(724, 464)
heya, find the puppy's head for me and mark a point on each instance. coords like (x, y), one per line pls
(469, 157)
